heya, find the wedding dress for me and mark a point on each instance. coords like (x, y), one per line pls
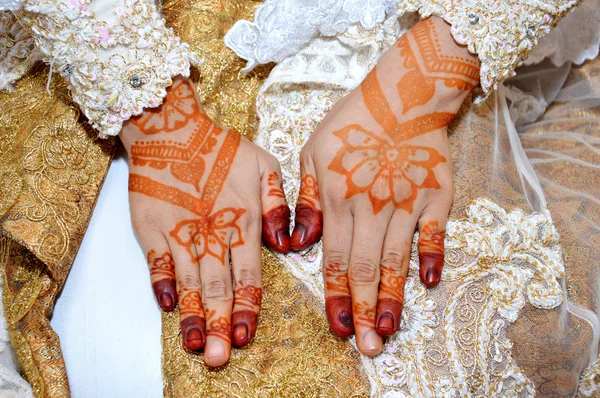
(504, 280)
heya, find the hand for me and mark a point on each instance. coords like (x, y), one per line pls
(197, 193)
(378, 165)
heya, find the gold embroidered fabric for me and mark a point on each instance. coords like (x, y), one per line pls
(52, 167)
(294, 352)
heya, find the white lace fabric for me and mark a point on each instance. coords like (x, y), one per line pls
(18, 52)
(501, 32)
(117, 56)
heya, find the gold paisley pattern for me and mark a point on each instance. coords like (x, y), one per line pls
(55, 168)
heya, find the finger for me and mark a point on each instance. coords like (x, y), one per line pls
(217, 298)
(337, 243)
(432, 230)
(395, 261)
(276, 212)
(247, 274)
(162, 273)
(191, 313)
(308, 225)
(363, 277)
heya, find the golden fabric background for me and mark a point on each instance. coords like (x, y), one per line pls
(51, 169)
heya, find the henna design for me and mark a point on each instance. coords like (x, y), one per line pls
(210, 232)
(386, 167)
(390, 302)
(422, 53)
(276, 227)
(162, 277)
(276, 186)
(178, 108)
(185, 159)
(245, 317)
(219, 327)
(338, 303)
(191, 314)
(364, 314)
(309, 219)
(309, 191)
(431, 253)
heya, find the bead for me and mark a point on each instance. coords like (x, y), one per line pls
(531, 31)
(67, 69)
(473, 19)
(135, 81)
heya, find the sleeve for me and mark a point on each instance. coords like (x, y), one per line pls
(18, 52)
(117, 56)
(501, 32)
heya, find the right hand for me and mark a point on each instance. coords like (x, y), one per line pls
(375, 168)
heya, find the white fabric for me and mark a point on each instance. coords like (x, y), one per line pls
(10, 5)
(106, 317)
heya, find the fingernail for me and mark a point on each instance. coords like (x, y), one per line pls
(166, 301)
(372, 343)
(432, 277)
(194, 340)
(299, 229)
(240, 334)
(216, 350)
(346, 318)
(283, 240)
(385, 322)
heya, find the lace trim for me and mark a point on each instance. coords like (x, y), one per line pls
(501, 32)
(109, 91)
(17, 50)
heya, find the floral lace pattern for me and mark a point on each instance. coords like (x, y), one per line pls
(17, 50)
(589, 385)
(145, 55)
(452, 342)
(501, 32)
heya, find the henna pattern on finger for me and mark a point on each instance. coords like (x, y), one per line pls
(308, 226)
(390, 301)
(275, 185)
(218, 327)
(191, 313)
(178, 108)
(162, 277)
(245, 316)
(364, 315)
(338, 303)
(431, 253)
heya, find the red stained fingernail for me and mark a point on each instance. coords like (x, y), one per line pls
(339, 314)
(166, 294)
(240, 335)
(276, 226)
(166, 302)
(432, 277)
(385, 323)
(194, 336)
(298, 236)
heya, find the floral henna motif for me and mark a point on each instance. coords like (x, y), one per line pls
(423, 57)
(309, 191)
(218, 327)
(185, 159)
(162, 277)
(338, 302)
(178, 108)
(245, 317)
(388, 167)
(210, 232)
(364, 315)
(431, 253)
(275, 186)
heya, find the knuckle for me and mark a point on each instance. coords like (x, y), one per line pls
(247, 276)
(217, 290)
(363, 272)
(393, 258)
(189, 282)
(337, 257)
